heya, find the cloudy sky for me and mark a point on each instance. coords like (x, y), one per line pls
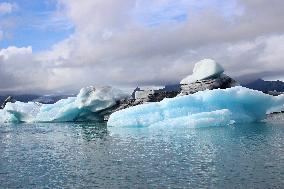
(63, 45)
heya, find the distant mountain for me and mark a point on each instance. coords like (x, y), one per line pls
(174, 87)
(46, 99)
(266, 86)
(50, 99)
(22, 98)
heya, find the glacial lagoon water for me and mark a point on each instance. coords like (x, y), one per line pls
(88, 155)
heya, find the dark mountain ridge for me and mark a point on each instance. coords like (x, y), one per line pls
(45, 99)
(266, 86)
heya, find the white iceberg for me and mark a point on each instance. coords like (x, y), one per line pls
(81, 108)
(202, 109)
(203, 69)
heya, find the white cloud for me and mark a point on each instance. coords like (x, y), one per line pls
(20, 71)
(14, 52)
(273, 52)
(149, 54)
(6, 8)
(111, 45)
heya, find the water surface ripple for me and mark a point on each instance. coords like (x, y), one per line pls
(91, 155)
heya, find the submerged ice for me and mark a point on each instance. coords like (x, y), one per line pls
(202, 109)
(85, 106)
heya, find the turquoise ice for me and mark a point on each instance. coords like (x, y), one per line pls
(83, 107)
(202, 109)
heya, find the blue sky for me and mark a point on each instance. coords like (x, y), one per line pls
(35, 24)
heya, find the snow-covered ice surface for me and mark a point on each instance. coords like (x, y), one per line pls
(202, 109)
(81, 108)
(203, 69)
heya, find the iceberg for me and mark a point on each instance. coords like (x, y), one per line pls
(207, 108)
(203, 109)
(85, 106)
(204, 69)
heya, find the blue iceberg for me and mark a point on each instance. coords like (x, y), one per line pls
(85, 106)
(203, 109)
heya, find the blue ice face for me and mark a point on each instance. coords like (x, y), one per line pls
(202, 109)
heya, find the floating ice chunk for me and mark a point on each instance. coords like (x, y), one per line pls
(203, 69)
(205, 108)
(84, 107)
